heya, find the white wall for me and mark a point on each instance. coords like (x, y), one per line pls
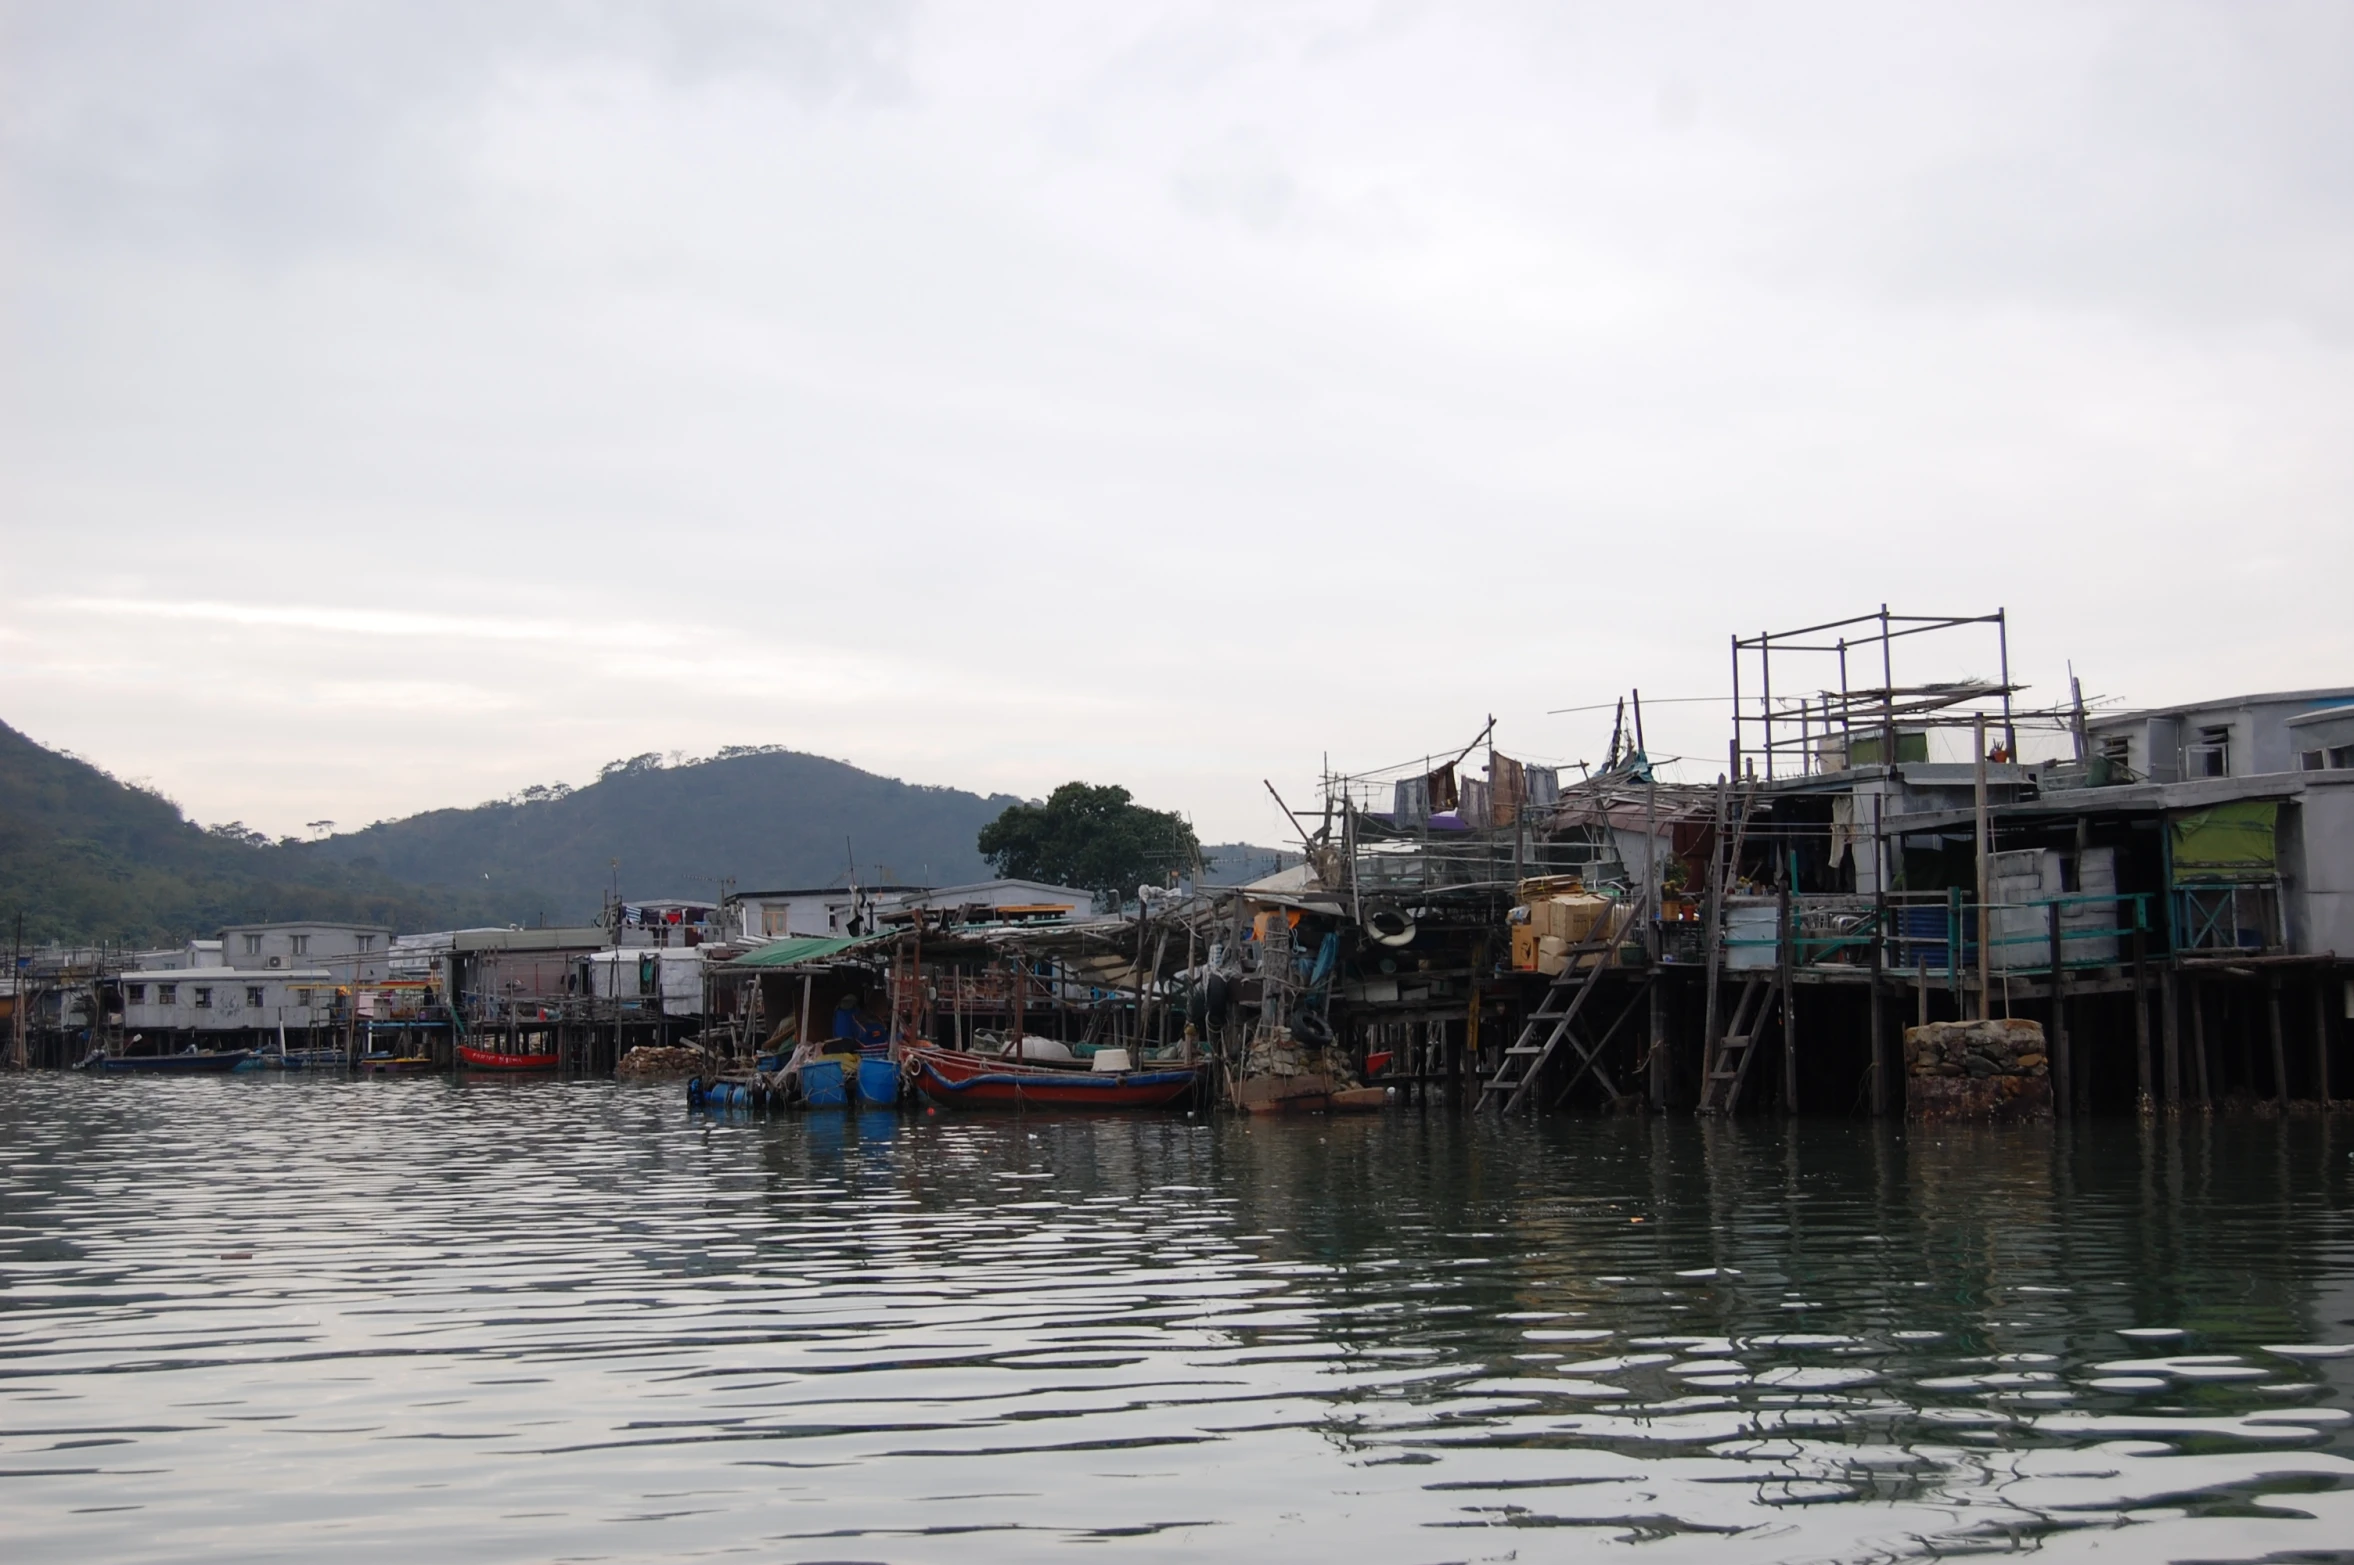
(234, 1006)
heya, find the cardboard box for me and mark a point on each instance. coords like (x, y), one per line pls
(1524, 947)
(1552, 955)
(1575, 919)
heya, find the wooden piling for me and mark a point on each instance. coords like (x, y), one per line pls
(2280, 1053)
(2145, 1098)
(2321, 1037)
(1787, 954)
(1877, 1021)
(2170, 1033)
(2202, 1081)
(1659, 1060)
(2063, 1060)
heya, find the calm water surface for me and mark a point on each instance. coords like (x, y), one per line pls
(263, 1319)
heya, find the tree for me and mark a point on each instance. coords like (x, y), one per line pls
(1098, 839)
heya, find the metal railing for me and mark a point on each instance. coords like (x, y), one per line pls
(1938, 934)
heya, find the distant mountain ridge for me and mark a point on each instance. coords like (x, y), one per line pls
(766, 818)
(87, 858)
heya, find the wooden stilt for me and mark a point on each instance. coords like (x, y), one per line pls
(2170, 1033)
(2280, 1052)
(2143, 1086)
(1881, 1070)
(2202, 1082)
(2062, 1061)
(1788, 952)
(1876, 1019)
(2321, 1037)
(1659, 1060)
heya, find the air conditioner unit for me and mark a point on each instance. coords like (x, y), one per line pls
(277, 961)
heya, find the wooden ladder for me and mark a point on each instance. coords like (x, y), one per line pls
(1720, 1088)
(1725, 1056)
(1550, 1022)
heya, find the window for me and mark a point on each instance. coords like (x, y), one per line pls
(2211, 756)
(367, 942)
(167, 994)
(253, 945)
(253, 996)
(2309, 760)
(204, 998)
(302, 944)
(2341, 758)
(134, 994)
(302, 997)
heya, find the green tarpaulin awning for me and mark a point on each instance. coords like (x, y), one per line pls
(795, 950)
(2225, 841)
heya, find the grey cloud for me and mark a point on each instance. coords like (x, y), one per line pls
(278, 126)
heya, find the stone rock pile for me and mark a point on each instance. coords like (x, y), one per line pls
(1996, 1070)
(646, 1063)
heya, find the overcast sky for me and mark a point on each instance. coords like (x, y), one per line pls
(405, 403)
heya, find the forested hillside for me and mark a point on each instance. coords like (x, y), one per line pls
(769, 818)
(85, 858)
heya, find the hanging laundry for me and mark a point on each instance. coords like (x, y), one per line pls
(1507, 788)
(1439, 788)
(1411, 801)
(1476, 809)
(1544, 788)
(1843, 834)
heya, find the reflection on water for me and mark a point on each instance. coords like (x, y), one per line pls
(260, 1319)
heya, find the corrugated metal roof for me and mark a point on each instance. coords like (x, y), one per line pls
(803, 948)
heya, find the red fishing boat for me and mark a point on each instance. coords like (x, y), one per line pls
(492, 1060)
(948, 1078)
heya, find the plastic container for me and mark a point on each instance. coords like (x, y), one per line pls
(878, 1083)
(1111, 1062)
(1752, 941)
(822, 1086)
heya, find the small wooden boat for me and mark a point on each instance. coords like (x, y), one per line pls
(189, 1062)
(1307, 1092)
(948, 1079)
(396, 1064)
(493, 1060)
(1282, 1075)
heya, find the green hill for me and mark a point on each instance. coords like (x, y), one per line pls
(769, 818)
(86, 859)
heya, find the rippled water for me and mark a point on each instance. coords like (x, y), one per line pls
(266, 1319)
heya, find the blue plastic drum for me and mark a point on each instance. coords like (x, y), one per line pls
(822, 1085)
(878, 1083)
